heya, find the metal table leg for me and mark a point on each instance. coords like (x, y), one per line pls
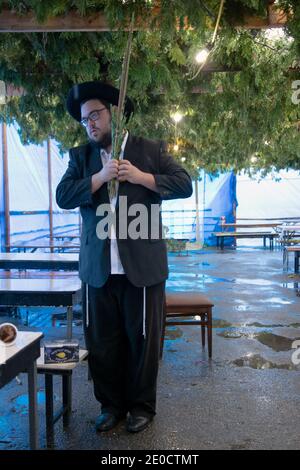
(69, 322)
(297, 254)
(33, 408)
(67, 397)
(49, 410)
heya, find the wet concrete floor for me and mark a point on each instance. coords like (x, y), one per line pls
(246, 397)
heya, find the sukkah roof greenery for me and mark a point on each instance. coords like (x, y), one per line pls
(240, 119)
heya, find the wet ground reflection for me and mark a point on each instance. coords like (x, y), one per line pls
(275, 342)
(194, 279)
(173, 332)
(255, 361)
(20, 402)
(267, 338)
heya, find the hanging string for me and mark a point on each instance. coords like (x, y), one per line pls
(211, 48)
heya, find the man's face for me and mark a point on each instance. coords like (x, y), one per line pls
(99, 130)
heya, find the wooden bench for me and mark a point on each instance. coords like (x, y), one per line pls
(264, 235)
(180, 305)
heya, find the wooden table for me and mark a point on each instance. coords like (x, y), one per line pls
(21, 357)
(42, 292)
(50, 261)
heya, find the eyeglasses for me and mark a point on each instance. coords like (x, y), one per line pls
(93, 116)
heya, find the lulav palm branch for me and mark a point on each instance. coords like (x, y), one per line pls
(118, 118)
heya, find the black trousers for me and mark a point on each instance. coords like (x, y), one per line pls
(123, 362)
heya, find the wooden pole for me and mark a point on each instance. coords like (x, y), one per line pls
(198, 238)
(6, 186)
(50, 192)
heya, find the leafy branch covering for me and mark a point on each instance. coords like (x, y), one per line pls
(242, 118)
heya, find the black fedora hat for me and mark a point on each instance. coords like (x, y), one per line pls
(95, 90)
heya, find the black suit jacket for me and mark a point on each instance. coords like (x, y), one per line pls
(144, 260)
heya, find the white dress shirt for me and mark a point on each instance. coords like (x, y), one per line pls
(115, 261)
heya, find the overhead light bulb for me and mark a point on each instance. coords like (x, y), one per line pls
(201, 56)
(177, 116)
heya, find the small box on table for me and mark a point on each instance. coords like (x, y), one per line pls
(61, 351)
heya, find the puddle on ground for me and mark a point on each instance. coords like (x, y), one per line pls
(276, 300)
(3, 426)
(204, 278)
(292, 285)
(20, 402)
(255, 282)
(219, 323)
(261, 325)
(205, 264)
(173, 332)
(255, 361)
(275, 342)
(231, 334)
(242, 308)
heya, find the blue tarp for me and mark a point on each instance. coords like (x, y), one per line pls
(222, 202)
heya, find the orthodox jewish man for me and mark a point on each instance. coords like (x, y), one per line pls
(123, 268)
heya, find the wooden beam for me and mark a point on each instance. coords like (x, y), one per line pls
(275, 18)
(11, 22)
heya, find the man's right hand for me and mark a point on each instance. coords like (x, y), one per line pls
(108, 172)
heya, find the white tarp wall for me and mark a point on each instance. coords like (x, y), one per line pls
(276, 196)
(28, 188)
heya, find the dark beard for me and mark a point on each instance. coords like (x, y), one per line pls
(105, 142)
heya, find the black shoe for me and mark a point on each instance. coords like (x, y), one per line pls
(137, 423)
(106, 421)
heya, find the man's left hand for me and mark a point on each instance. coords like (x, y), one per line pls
(129, 172)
